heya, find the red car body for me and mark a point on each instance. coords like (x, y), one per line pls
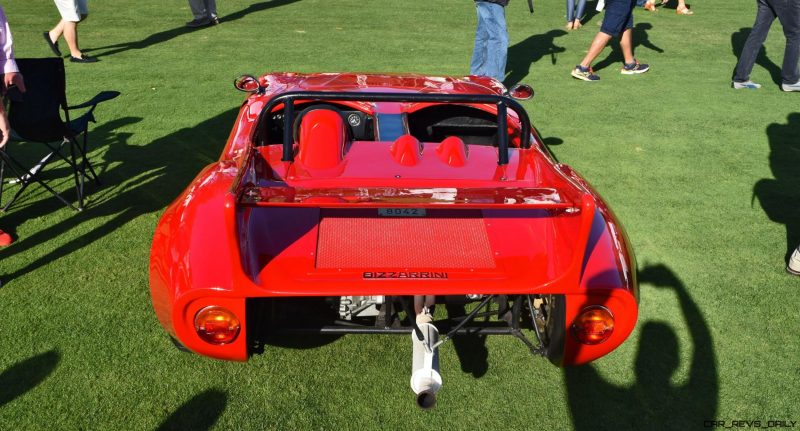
(406, 205)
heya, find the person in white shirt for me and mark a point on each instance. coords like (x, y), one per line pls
(11, 78)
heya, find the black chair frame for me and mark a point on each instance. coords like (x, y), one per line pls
(35, 116)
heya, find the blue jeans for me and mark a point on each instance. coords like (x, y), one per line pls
(572, 13)
(491, 42)
(788, 13)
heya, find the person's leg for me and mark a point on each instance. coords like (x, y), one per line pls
(56, 32)
(497, 47)
(617, 18)
(70, 11)
(211, 9)
(788, 13)
(478, 62)
(758, 34)
(570, 13)
(71, 37)
(630, 65)
(682, 9)
(198, 8)
(626, 44)
(598, 44)
(579, 14)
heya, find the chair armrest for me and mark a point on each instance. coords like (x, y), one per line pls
(101, 97)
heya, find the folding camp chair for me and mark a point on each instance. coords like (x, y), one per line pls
(35, 118)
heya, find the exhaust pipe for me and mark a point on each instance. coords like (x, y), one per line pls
(425, 378)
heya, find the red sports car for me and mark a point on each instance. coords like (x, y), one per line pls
(355, 203)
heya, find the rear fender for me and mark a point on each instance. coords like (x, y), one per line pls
(608, 280)
(194, 254)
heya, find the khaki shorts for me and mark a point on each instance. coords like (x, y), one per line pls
(71, 10)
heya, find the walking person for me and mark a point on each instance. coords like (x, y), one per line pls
(574, 13)
(788, 13)
(491, 40)
(205, 13)
(617, 21)
(72, 12)
(11, 78)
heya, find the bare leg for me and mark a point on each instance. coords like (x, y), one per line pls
(71, 36)
(682, 9)
(55, 33)
(626, 43)
(69, 30)
(598, 43)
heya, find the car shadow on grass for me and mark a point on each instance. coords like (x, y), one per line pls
(198, 414)
(653, 401)
(779, 197)
(738, 40)
(639, 38)
(473, 355)
(522, 55)
(167, 35)
(26, 375)
(137, 180)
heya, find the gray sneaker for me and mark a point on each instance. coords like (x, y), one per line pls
(747, 84)
(794, 263)
(791, 87)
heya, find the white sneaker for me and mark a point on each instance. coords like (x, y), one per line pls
(747, 84)
(791, 87)
(794, 263)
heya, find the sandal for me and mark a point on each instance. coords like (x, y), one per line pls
(651, 6)
(576, 24)
(684, 11)
(569, 25)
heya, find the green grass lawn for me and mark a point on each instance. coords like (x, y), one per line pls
(705, 179)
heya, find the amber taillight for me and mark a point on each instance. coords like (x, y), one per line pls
(593, 325)
(216, 325)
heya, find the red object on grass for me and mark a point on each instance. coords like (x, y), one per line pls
(5, 239)
(363, 191)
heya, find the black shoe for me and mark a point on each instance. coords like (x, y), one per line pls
(83, 59)
(198, 23)
(214, 21)
(53, 45)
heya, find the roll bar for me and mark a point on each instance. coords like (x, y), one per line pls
(288, 99)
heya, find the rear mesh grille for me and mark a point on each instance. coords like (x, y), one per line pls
(359, 242)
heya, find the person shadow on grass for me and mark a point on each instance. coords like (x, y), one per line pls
(639, 38)
(653, 401)
(137, 180)
(780, 196)
(738, 40)
(26, 375)
(198, 414)
(172, 33)
(522, 55)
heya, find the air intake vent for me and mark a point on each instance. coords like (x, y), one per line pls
(377, 242)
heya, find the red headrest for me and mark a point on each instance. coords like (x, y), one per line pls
(322, 139)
